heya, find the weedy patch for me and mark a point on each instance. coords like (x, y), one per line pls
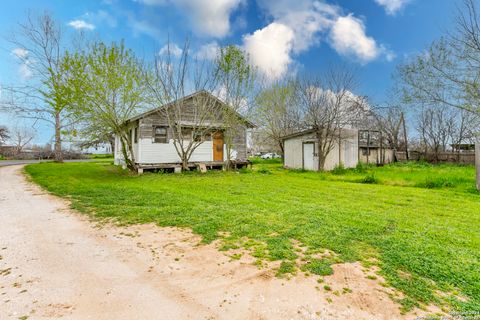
(321, 267)
(286, 267)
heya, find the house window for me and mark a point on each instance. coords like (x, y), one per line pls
(186, 134)
(197, 137)
(160, 135)
(366, 152)
(135, 135)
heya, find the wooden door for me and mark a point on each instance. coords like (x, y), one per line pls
(218, 146)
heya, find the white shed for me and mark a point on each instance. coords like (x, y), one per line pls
(300, 151)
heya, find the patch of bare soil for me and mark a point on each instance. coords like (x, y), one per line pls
(54, 263)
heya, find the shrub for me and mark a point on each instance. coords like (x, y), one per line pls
(264, 171)
(339, 169)
(370, 179)
(244, 170)
(361, 167)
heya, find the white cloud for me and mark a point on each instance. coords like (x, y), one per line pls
(306, 18)
(389, 55)
(81, 25)
(100, 17)
(24, 69)
(208, 51)
(269, 49)
(304, 24)
(392, 6)
(209, 18)
(20, 53)
(174, 50)
(348, 37)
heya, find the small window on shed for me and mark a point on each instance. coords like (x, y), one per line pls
(160, 135)
(366, 151)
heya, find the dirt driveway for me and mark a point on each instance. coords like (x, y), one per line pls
(54, 263)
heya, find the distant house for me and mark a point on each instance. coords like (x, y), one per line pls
(301, 151)
(153, 139)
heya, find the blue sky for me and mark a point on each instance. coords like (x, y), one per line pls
(280, 36)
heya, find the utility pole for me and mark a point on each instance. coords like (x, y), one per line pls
(477, 160)
(368, 146)
(405, 135)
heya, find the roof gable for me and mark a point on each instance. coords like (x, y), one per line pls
(248, 123)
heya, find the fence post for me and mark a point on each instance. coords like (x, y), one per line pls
(477, 159)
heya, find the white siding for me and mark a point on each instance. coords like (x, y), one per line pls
(118, 157)
(148, 152)
(166, 152)
(293, 152)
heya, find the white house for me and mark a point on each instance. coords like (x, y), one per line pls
(153, 144)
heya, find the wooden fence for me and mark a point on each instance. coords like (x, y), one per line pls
(442, 157)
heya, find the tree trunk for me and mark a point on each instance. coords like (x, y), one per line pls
(321, 161)
(405, 137)
(127, 151)
(58, 139)
(280, 144)
(185, 163)
(477, 160)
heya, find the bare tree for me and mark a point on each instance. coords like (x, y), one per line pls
(277, 111)
(20, 137)
(190, 118)
(390, 120)
(328, 106)
(4, 134)
(435, 127)
(40, 50)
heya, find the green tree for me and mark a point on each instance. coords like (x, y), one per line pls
(235, 80)
(110, 86)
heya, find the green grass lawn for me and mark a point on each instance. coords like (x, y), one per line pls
(419, 223)
(101, 156)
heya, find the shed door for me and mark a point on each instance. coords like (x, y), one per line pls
(218, 146)
(308, 150)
